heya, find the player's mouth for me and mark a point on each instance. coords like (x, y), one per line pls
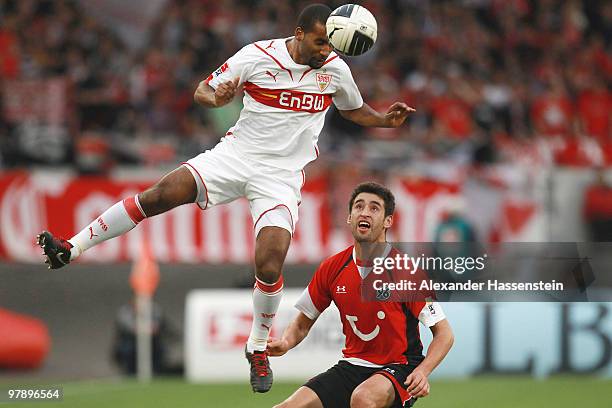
(363, 226)
(318, 62)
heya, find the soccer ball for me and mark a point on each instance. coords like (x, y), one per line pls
(351, 29)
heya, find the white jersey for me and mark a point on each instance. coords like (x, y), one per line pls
(284, 102)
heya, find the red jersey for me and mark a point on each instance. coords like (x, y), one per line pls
(377, 333)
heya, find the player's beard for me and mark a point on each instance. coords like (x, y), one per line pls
(315, 63)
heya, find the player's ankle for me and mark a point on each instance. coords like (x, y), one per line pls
(256, 345)
(75, 251)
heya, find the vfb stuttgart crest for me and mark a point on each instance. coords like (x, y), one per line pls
(323, 81)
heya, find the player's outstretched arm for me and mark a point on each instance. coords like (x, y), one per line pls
(417, 383)
(366, 116)
(293, 335)
(205, 95)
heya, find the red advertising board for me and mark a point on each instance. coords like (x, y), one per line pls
(31, 202)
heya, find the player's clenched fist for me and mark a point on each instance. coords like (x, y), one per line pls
(417, 384)
(225, 92)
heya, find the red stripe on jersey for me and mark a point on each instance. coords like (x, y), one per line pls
(289, 100)
(269, 288)
(401, 390)
(310, 69)
(132, 209)
(275, 60)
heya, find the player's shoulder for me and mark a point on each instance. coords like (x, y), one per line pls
(337, 261)
(335, 61)
(270, 46)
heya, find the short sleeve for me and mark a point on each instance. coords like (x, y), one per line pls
(317, 296)
(347, 96)
(429, 314)
(237, 66)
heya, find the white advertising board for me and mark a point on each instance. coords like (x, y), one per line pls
(538, 339)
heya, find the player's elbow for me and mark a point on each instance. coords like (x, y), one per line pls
(200, 95)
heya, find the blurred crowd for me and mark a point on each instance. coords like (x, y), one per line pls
(492, 80)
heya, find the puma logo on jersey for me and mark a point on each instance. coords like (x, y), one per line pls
(91, 233)
(340, 289)
(270, 46)
(365, 336)
(273, 76)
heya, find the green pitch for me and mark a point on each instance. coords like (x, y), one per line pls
(491, 392)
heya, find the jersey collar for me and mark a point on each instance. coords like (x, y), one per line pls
(365, 267)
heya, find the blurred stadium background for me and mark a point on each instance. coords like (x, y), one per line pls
(511, 141)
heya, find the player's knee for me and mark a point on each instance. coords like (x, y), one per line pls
(362, 399)
(269, 272)
(269, 265)
(152, 200)
(174, 189)
(283, 404)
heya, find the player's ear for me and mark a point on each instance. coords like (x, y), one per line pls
(348, 219)
(299, 33)
(388, 221)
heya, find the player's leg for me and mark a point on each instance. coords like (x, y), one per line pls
(334, 387)
(304, 397)
(273, 197)
(384, 388)
(175, 188)
(271, 247)
(375, 392)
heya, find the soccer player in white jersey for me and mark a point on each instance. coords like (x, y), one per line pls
(289, 84)
(383, 363)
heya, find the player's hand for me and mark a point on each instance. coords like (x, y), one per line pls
(225, 92)
(276, 347)
(397, 114)
(417, 384)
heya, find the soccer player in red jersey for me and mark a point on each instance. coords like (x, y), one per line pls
(383, 363)
(289, 85)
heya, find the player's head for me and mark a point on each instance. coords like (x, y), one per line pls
(313, 45)
(371, 210)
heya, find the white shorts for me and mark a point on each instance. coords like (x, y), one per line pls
(223, 175)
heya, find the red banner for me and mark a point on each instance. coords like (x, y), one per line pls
(31, 202)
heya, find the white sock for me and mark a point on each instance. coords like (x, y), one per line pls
(266, 298)
(117, 220)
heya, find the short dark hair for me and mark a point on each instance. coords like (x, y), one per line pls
(315, 13)
(377, 189)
